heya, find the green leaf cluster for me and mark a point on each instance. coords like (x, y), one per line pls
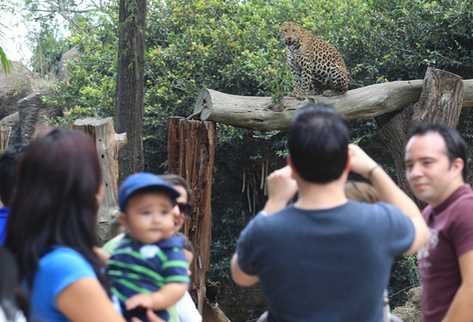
(4, 62)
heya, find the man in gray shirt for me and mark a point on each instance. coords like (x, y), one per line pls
(326, 258)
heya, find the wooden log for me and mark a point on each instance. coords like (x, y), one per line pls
(261, 113)
(108, 145)
(191, 153)
(440, 102)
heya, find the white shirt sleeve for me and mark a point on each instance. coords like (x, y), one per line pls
(186, 310)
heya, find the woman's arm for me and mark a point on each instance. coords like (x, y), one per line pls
(86, 301)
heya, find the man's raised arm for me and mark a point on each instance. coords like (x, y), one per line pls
(389, 192)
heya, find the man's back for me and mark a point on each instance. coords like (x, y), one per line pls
(330, 265)
(325, 265)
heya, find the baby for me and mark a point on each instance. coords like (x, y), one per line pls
(148, 269)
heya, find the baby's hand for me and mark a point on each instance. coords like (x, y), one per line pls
(152, 317)
(143, 300)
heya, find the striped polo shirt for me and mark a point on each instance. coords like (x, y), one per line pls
(136, 268)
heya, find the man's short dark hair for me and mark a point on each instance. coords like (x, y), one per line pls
(8, 174)
(456, 146)
(318, 143)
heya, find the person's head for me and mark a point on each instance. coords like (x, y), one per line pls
(55, 202)
(361, 191)
(8, 174)
(435, 161)
(318, 144)
(146, 202)
(185, 194)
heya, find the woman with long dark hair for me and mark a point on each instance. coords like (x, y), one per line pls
(51, 229)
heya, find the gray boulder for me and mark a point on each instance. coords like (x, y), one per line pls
(33, 116)
(14, 86)
(21, 106)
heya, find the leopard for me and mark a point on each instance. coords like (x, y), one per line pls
(317, 66)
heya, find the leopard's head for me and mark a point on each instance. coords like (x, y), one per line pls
(290, 33)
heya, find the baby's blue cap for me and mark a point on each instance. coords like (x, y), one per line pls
(140, 181)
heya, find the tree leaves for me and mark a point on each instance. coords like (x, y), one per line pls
(4, 62)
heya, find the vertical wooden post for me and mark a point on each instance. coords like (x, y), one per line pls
(440, 102)
(191, 153)
(108, 144)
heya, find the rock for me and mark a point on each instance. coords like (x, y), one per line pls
(10, 121)
(14, 86)
(32, 116)
(4, 138)
(410, 311)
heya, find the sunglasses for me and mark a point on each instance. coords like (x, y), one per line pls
(185, 208)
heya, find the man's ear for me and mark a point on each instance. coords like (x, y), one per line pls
(294, 173)
(458, 164)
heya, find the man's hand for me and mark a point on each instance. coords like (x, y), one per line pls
(360, 162)
(281, 189)
(142, 300)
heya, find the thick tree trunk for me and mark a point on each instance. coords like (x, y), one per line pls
(191, 153)
(130, 83)
(441, 101)
(261, 113)
(108, 145)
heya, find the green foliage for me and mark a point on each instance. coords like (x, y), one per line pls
(4, 62)
(47, 51)
(90, 89)
(401, 38)
(404, 277)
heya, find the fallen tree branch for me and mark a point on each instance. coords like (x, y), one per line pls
(261, 113)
